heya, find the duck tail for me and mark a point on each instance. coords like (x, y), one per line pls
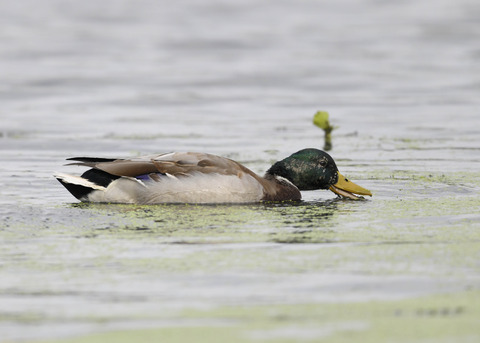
(78, 186)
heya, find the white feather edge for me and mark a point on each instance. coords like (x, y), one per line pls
(78, 180)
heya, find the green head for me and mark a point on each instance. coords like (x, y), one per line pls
(308, 169)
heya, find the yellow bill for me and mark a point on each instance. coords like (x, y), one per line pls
(348, 189)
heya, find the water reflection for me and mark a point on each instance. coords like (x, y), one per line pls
(285, 222)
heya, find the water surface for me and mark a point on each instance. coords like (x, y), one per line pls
(242, 79)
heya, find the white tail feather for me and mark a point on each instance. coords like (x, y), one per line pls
(77, 180)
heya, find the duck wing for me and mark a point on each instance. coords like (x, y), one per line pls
(175, 164)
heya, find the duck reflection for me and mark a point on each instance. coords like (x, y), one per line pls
(281, 222)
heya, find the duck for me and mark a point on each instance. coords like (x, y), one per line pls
(202, 178)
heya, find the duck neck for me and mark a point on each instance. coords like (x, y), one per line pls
(280, 169)
(280, 189)
(283, 179)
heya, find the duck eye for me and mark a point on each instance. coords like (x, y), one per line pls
(346, 180)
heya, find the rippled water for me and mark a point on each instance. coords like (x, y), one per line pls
(242, 79)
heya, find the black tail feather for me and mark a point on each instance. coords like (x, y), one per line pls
(78, 191)
(95, 176)
(99, 177)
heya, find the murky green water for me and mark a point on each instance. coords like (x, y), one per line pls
(242, 80)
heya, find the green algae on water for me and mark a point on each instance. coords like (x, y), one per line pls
(439, 318)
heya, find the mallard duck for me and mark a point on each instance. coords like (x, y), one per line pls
(190, 177)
